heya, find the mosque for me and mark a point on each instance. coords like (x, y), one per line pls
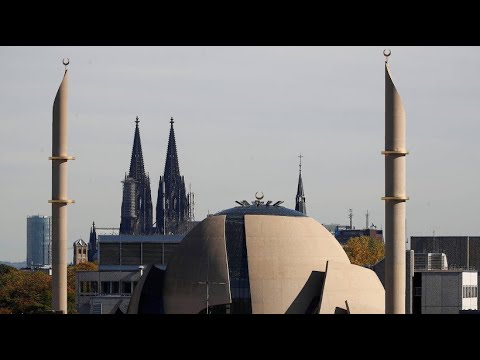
(258, 258)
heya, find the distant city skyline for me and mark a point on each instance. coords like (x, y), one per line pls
(242, 117)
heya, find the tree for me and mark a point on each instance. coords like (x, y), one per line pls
(24, 291)
(71, 270)
(365, 250)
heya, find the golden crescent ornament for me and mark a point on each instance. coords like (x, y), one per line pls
(259, 197)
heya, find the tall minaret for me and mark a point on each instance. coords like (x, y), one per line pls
(395, 196)
(300, 198)
(137, 208)
(172, 202)
(60, 199)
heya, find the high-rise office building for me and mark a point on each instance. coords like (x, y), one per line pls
(39, 240)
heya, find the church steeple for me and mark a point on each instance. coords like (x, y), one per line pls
(172, 169)
(172, 202)
(92, 244)
(137, 208)
(137, 168)
(300, 198)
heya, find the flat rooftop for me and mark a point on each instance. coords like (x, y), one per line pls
(173, 239)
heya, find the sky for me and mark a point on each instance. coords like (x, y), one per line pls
(242, 117)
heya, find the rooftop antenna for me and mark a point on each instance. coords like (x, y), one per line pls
(350, 216)
(367, 222)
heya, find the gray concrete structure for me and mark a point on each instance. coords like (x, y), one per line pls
(39, 240)
(444, 291)
(60, 199)
(262, 259)
(104, 292)
(128, 252)
(395, 196)
(410, 258)
(461, 251)
(122, 258)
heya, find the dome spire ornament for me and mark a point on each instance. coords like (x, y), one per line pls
(258, 201)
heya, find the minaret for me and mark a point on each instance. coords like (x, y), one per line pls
(172, 203)
(300, 198)
(60, 199)
(137, 208)
(395, 196)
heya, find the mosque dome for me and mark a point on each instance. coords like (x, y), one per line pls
(262, 258)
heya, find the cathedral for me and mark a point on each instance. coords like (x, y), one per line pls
(174, 210)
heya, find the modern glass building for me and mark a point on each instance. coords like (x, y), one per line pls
(39, 240)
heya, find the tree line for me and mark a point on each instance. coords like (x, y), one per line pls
(30, 292)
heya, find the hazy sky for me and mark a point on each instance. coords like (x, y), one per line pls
(242, 116)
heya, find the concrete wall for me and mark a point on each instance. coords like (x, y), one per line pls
(200, 256)
(282, 253)
(441, 292)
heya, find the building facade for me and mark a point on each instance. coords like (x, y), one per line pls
(461, 251)
(444, 291)
(122, 259)
(343, 235)
(39, 240)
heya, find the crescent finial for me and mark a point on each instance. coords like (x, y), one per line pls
(387, 53)
(65, 62)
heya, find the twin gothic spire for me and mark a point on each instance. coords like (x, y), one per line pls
(172, 203)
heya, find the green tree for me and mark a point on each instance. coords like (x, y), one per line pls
(31, 292)
(24, 292)
(71, 270)
(365, 250)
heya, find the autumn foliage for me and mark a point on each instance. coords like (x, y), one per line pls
(365, 250)
(23, 292)
(26, 292)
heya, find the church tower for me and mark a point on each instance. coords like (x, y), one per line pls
(172, 202)
(137, 208)
(92, 244)
(300, 198)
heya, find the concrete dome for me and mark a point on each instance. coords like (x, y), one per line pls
(266, 259)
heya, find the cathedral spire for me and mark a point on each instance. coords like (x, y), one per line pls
(137, 209)
(92, 243)
(300, 198)
(137, 169)
(172, 202)
(172, 169)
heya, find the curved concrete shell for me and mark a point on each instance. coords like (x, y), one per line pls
(200, 257)
(282, 253)
(260, 259)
